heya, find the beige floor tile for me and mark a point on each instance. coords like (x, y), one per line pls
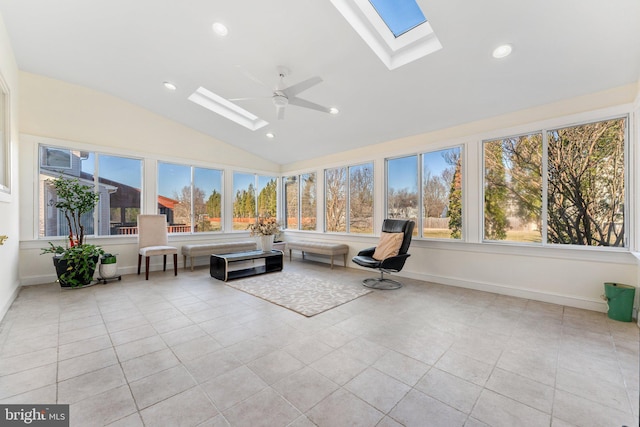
(43, 395)
(159, 386)
(189, 408)
(342, 408)
(377, 389)
(465, 367)
(24, 381)
(87, 346)
(211, 365)
(139, 348)
(82, 334)
(401, 367)
(196, 348)
(522, 389)
(75, 366)
(23, 362)
(497, 410)
(275, 366)
(305, 388)
(132, 334)
(603, 392)
(181, 335)
(103, 408)
(132, 420)
(233, 387)
(88, 385)
(578, 411)
(308, 349)
(338, 367)
(449, 389)
(149, 364)
(266, 408)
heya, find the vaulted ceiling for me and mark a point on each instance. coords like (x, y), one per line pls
(128, 48)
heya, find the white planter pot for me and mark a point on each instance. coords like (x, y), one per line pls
(266, 243)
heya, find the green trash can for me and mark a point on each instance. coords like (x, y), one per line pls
(619, 299)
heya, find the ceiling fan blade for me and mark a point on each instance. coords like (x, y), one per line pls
(280, 112)
(252, 77)
(307, 104)
(251, 98)
(292, 91)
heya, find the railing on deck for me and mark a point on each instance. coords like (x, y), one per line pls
(170, 229)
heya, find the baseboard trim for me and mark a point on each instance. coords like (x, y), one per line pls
(553, 298)
(5, 308)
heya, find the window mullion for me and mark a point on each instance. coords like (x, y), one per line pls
(545, 185)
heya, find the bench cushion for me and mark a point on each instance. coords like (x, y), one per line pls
(202, 249)
(322, 248)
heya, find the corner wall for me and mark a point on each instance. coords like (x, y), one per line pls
(9, 203)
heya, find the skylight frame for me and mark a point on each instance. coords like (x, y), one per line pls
(227, 109)
(393, 51)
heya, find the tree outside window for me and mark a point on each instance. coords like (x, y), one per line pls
(300, 201)
(442, 194)
(255, 196)
(349, 199)
(585, 183)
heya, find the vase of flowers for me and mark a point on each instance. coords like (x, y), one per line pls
(265, 229)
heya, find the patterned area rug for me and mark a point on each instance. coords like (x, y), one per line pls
(305, 295)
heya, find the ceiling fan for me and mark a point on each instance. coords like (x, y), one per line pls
(286, 95)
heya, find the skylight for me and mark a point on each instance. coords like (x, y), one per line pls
(227, 109)
(399, 15)
(396, 41)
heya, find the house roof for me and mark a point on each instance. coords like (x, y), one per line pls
(561, 49)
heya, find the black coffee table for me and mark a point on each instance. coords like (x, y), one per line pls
(267, 262)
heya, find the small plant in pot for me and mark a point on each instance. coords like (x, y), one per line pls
(75, 263)
(108, 266)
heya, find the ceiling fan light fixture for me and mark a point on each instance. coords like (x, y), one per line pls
(220, 29)
(280, 100)
(502, 51)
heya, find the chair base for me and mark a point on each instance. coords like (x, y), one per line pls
(381, 283)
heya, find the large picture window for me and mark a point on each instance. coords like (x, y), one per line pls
(190, 197)
(300, 201)
(255, 195)
(560, 186)
(427, 189)
(349, 199)
(118, 180)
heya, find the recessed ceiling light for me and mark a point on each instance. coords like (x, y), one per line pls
(270, 135)
(170, 86)
(220, 29)
(333, 110)
(502, 51)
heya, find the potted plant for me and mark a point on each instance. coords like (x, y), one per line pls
(76, 262)
(266, 229)
(108, 266)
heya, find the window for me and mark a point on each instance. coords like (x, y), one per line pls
(402, 188)
(349, 199)
(427, 189)
(291, 202)
(255, 195)
(300, 201)
(361, 199)
(580, 201)
(399, 15)
(308, 193)
(118, 180)
(442, 194)
(190, 208)
(513, 189)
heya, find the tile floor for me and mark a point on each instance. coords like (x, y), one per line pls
(192, 351)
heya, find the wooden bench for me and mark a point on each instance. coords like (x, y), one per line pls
(321, 248)
(206, 249)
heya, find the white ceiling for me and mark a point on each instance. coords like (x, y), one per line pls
(128, 48)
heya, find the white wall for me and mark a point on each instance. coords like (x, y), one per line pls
(569, 276)
(9, 203)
